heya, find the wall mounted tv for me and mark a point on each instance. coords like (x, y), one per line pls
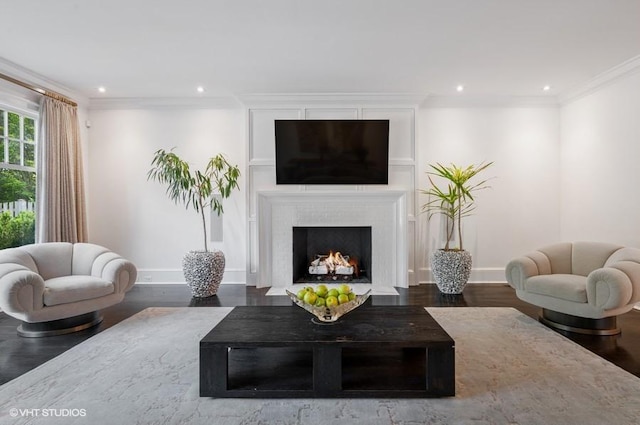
(332, 151)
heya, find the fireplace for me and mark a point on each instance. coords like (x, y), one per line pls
(383, 211)
(332, 254)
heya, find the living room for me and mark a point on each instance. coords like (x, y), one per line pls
(547, 92)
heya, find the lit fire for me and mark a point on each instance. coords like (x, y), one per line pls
(334, 263)
(336, 260)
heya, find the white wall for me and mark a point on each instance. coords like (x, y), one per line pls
(600, 164)
(132, 215)
(521, 211)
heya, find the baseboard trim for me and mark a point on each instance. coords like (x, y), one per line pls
(478, 275)
(231, 276)
(239, 276)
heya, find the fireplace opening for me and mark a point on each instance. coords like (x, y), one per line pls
(331, 254)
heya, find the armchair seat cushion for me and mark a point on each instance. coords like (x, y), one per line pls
(568, 287)
(70, 289)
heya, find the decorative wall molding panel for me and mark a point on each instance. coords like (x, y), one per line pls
(263, 110)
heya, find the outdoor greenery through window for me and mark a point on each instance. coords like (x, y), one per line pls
(17, 178)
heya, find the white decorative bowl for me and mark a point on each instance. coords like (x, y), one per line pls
(330, 314)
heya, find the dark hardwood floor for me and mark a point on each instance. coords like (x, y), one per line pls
(19, 355)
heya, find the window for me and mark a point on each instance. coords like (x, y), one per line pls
(18, 135)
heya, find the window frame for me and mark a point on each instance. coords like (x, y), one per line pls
(22, 113)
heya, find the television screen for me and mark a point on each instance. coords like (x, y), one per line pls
(332, 151)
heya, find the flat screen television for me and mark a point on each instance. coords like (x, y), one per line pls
(332, 151)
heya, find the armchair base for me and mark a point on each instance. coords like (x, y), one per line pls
(581, 325)
(60, 327)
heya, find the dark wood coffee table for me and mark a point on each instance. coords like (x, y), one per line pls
(373, 351)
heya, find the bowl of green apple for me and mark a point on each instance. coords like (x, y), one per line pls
(326, 303)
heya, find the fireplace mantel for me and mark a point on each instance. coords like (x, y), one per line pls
(384, 210)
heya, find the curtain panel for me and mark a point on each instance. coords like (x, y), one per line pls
(61, 210)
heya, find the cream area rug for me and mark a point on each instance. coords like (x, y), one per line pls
(509, 370)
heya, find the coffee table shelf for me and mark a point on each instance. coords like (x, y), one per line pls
(374, 351)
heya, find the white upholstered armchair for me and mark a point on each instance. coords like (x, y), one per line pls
(580, 286)
(57, 288)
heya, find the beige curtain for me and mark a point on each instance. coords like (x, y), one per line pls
(61, 215)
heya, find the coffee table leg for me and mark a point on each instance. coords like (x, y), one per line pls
(327, 370)
(214, 371)
(441, 371)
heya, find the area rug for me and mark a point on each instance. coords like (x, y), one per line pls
(509, 370)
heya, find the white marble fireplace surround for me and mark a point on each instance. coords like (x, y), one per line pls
(385, 211)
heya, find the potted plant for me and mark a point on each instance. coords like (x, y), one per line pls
(451, 266)
(203, 270)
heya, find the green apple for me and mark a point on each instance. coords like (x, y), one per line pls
(344, 289)
(343, 298)
(320, 302)
(301, 293)
(333, 293)
(322, 291)
(352, 296)
(309, 289)
(331, 301)
(310, 298)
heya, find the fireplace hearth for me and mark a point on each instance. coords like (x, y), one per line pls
(331, 254)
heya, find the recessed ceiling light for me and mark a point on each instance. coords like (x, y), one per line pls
(200, 89)
(460, 88)
(102, 89)
(546, 88)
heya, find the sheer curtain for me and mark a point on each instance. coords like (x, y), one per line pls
(61, 211)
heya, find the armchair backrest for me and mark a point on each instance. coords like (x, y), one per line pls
(57, 259)
(84, 256)
(588, 256)
(581, 258)
(559, 256)
(51, 259)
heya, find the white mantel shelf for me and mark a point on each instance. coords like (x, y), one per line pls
(385, 211)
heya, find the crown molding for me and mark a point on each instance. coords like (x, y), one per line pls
(478, 101)
(269, 100)
(217, 102)
(19, 98)
(610, 76)
(33, 78)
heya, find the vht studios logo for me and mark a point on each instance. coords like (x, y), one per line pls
(51, 413)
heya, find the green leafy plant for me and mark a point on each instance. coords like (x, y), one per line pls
(456, 200)
(18, 230)
(195, 189)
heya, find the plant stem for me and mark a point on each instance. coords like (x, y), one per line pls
(204, 223)
(460, 223)
(204, 228)
(449, 233)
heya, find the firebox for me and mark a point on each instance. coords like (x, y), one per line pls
(332, 254)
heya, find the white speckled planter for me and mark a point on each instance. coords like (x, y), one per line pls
(451, 270)
(203, 271)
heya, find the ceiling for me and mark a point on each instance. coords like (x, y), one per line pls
(161, 48)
